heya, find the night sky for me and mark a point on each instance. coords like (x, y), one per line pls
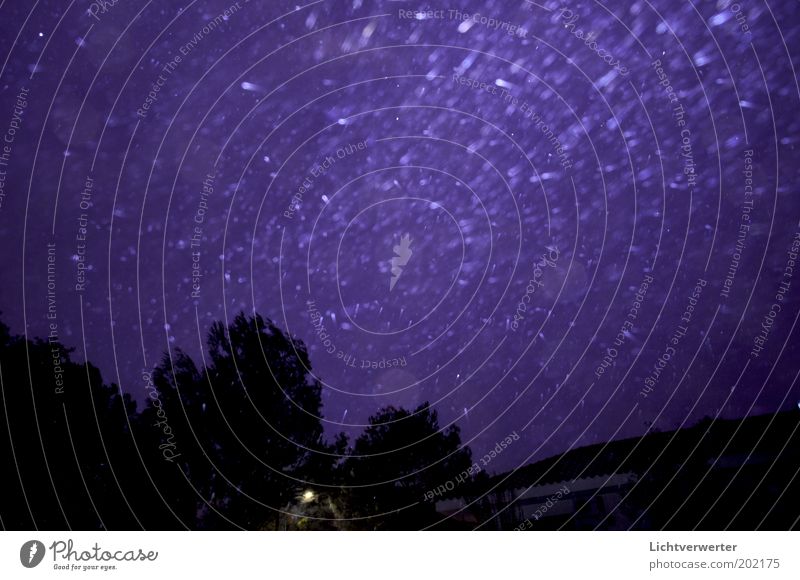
(577, 222)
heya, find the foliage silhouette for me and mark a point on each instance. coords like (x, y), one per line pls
(237, 443)
(408, 455)
(60, 472)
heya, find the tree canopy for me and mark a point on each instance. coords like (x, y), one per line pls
(235, 443)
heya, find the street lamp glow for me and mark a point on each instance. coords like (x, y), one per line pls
(308, 496)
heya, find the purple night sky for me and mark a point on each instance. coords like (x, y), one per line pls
(577, 238)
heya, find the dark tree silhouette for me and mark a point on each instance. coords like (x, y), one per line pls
(401, 456)
(66, 446)
(238, 443)
(235, 443)
(247, 428)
